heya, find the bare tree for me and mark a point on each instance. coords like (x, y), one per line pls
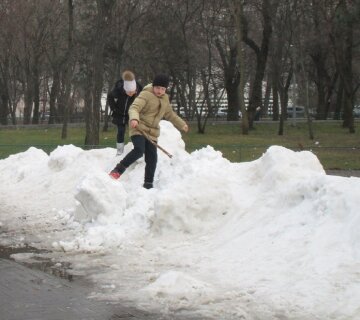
(237, 9)
(280, 63)
(6, 41)
(342, 39)
(56, 53)
(196, 42)
(128, 22)
(226, 44)
(261, 53)
(179, 52)
(67, 71)
(93, 105)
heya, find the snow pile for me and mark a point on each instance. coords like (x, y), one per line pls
(177, 289)
(272, 238)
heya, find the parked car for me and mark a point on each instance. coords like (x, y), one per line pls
(299, 111)
(222, 113)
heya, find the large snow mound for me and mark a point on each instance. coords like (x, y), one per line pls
(268, 239)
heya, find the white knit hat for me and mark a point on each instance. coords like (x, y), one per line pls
(129, 81)
(130, 86)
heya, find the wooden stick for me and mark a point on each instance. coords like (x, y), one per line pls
(153, 142)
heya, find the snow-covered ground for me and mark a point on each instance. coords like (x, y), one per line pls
(275, 238)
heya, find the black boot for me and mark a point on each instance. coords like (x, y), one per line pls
(120, 168)
(148, 185)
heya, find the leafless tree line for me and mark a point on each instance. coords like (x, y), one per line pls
(57, 55)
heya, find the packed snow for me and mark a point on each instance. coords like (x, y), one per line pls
(275, 238)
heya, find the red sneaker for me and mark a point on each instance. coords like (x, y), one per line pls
(114, 174)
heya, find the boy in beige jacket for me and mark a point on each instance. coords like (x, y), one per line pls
(151, 106)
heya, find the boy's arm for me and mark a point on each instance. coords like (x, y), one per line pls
(179, 123)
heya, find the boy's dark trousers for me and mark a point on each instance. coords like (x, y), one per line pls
(141, 146)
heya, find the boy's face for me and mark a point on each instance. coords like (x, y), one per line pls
(159, 91)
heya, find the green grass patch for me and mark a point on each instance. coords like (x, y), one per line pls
(335, 147)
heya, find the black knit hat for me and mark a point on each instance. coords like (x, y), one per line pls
(161, 80)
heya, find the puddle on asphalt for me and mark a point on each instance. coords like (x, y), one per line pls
(6, 252)
(36, 261)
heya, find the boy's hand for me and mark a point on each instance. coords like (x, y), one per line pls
(185, 128)
(134, 123)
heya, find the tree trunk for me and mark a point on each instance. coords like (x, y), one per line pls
(321, 104)
(265, 110)
(36, 82)
(284, 98)
(330, 92)
(275, 90)
(4, 92)
(103, 18)
(28, 103)
(261, 52)
(88, 111)
(321, 76)
(348, 119)
(338, 106)
(54, 93)
(4, 103)
(239, 93)
(343, 44)
(307, 98)
(283, 112)
(28, 95)
(232, 78)
(13, 112)
(232, 86)
(67, 70)
(114, 73)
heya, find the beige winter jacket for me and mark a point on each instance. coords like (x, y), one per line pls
(149, 109)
